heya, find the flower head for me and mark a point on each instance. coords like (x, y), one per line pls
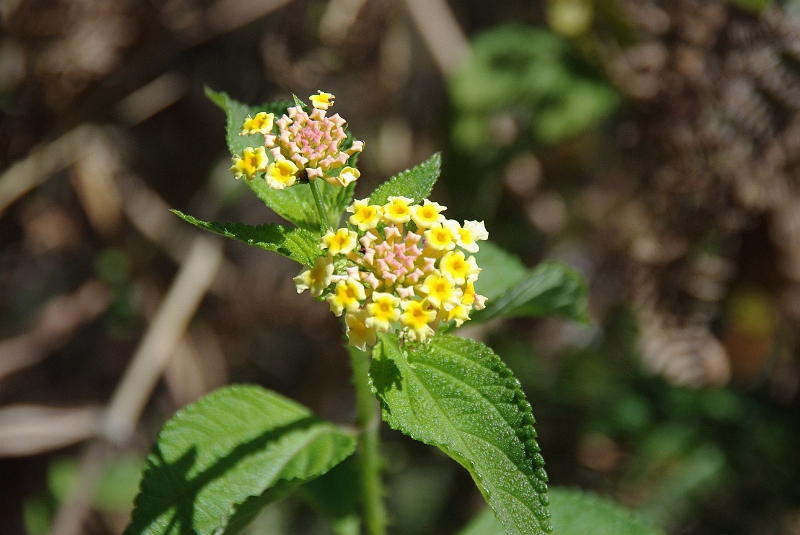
(250, 163)
(313, 141)
(397, 279)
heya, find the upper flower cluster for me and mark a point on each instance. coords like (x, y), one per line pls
(305, 144)
(408, 270)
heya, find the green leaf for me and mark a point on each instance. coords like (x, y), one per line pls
(335, 496)
(575, 512)
(415, 183)
(298, 244)
(456, 394)
(236, 113)
(500, 271)
(296, 203)
(549, 289)
(219, 461)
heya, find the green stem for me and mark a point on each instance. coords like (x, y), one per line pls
(323, 218)
(370, 466)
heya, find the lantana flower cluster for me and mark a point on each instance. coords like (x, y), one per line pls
(404, 268)
(299, 144)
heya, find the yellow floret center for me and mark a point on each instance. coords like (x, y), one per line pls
(439, 290)
(456, 266)
(282, 172)
(416, 316)
(321, 101)
(398, 211)
(262, 123)
(440, 238)
(341, 242)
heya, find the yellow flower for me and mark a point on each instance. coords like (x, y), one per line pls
(321, 101)
(346, 296)
(427, 214)
(348, 175)
(415, 318)
(398, 210)
(359, 334)
(260, 124)
(441, 237)
(471, 232)
(440, 290)
(340, 242)
(471, 299)
(365, 215)
(281, 174)
(458, 268)
(382, 311)
(250, 163)
(460, 313)
(316, 278)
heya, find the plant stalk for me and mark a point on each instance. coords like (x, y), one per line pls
(323, 217)
(368, 420)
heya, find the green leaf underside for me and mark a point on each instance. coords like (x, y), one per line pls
(415, 183)
(296, 203)
(549, 289)
(575, 512)
(456, 394)
(297, 244)
(500, 270)
(217, 462)
(335, 496)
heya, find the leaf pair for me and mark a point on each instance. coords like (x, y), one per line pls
(218, 462)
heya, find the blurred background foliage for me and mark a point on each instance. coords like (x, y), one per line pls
(652, 144)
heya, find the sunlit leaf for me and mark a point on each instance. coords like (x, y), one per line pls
(456, 394)
(298, 244)
(221, 460)
(415, 183)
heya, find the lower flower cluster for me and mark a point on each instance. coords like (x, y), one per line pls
(402, 267)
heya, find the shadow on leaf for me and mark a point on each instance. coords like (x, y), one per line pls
(167, 486)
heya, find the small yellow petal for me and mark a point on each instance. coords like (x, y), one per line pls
(321, 101)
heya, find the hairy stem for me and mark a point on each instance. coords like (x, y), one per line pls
(368, 420)
(323, 217)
